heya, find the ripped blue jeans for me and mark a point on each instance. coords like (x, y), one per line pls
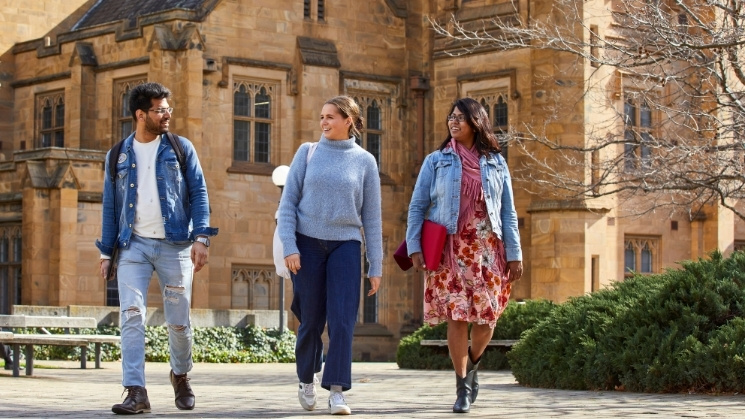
(172, 262)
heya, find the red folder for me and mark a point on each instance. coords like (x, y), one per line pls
(433, 243)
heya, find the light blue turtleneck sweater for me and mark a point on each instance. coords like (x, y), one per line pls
(332, 197)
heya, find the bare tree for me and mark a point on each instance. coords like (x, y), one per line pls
(666, 86)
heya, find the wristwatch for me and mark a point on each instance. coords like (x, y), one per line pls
(204, 240)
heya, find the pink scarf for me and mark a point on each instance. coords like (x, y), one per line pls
(471, 193)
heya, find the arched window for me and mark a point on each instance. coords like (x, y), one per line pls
(372, 136)
(252, 131)
(51, 119)
(638, 128)
(124, 124)
(641, 255)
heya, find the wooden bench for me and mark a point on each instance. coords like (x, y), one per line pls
(29, 340)
(443, 342)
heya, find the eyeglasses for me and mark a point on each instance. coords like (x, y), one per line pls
(161, 111)
(454, 117)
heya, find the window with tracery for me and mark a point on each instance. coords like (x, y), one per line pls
(254, 117)
(496, 105)
(255, 288)
(51, 119)
(123, 122)
(374, 111)
(641, 255)
(637, 121)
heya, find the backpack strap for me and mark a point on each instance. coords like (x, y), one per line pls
(113, 157)
(178, 148)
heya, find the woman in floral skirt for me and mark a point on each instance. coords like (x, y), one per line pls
(465, 185)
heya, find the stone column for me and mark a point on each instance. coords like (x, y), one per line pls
(36, 230)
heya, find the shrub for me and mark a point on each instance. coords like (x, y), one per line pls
(211, 344)
(682, 330)
(515, 319)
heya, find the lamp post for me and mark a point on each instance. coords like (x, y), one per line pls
(279, 177)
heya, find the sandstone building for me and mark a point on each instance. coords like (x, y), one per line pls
(249, 79)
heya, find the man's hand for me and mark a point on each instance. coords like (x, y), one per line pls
(103, 267)
(199, 255)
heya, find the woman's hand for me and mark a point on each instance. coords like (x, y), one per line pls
(514, 270)
(418, 260)
(374, 285)
(292, 262)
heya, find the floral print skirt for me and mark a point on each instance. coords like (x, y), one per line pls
(477, 290)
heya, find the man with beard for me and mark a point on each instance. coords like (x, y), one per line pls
(156, 214)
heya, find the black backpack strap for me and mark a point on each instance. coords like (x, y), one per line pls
(178, 148)
(113, 158)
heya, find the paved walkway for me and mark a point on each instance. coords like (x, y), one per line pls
(380, 390)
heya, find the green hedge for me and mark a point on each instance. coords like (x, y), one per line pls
(679, 331)
(211, 344)
(515, 319)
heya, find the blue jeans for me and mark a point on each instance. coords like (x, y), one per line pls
(172, 262)
(326, 289)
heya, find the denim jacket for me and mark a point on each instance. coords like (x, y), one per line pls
(437, 197)
(184, 203)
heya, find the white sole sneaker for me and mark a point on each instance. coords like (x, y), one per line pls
(337, 405)
(307, 394)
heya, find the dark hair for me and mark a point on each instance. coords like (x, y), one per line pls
(477, 118)
(141, 97)
(349, 108)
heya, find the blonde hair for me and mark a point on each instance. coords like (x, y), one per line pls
(349, 109)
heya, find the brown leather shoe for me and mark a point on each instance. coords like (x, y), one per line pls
(135, 402)
(184, 396)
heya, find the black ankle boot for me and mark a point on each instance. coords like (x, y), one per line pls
(183, 392)
(135, 402)
(463, 391)
(473, 367)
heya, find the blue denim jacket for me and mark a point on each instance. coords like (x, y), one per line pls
(183, 196)
(437, 197)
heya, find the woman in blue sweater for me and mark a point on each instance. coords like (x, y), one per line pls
(465, 185)
(329, 201)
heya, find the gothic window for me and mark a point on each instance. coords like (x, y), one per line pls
(51, 119)
(641, 255)
(255, 288)
(123, 123)
(637, 119)
(253, 120)
(496, 106)
(373, 109)
(10, 267)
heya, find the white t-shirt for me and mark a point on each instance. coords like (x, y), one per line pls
(148, 217)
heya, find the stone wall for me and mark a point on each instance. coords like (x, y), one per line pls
(109, 316)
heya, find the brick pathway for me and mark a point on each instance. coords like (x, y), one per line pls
(380, 390)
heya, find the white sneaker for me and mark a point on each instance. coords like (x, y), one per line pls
(307, 394)
(337, 404)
